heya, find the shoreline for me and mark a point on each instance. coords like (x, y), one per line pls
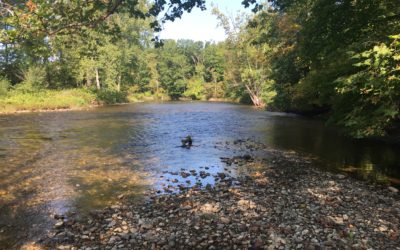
(89, 107)
(49, 110)
(284, 202)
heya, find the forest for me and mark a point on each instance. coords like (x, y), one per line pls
(335, 59)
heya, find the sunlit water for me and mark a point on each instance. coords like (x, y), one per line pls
(81, 160)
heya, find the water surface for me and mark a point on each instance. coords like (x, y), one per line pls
(80, 160)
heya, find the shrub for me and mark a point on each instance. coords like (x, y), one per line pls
(367, 101)
(4, 86)
(106, 96)
(195, 89)
(33, 79)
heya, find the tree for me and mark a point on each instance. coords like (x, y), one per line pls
(374, 91)
(173, 69)
(247, 65)
(40, 18)
(319, 62)
(214, 67)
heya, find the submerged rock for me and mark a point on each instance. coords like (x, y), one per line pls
(187, 142)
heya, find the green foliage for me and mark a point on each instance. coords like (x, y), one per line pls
(33, 79)
(110, 96)
(173, 69)
(47, 100)
(335, 58)
(374, 91)
(195, 89)
(4, 86)
(214, 62)
(146, 96)
(31, 20)
(247, 66)
(268, 92)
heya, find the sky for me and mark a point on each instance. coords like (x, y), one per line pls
(201, 25)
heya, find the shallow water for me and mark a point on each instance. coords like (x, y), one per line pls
(82, 160)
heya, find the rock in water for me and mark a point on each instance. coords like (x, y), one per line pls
(187, 142)
(246, 157)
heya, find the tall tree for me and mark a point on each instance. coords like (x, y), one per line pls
(247, 65)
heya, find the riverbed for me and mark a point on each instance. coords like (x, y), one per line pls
(76, 161)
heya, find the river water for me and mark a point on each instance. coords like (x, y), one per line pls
(58, 162)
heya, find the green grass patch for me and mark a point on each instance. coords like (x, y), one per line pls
(47, 100)
(29, 99)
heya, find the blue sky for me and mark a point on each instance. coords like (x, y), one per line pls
(201, 25)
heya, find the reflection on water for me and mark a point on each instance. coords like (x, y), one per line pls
(77, 161)
(366, 159)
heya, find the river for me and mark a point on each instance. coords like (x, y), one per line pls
(75, 161)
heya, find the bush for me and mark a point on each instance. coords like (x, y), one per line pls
(33, 79)
(195, 89)
(367, 102)
(105, 96)
(4, 86)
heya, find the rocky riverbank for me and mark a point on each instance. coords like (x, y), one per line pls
(283, 203)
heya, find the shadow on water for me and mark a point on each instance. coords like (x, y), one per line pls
(55, 163)
(370, 160)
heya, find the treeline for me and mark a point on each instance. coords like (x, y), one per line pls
(117, 63)
(336, 59)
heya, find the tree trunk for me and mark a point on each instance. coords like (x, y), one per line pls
(257, 101)
(119, 83)
(88, 79)
(97, 78)
(215, 89)
(6, 55)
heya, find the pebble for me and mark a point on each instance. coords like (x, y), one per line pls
(393, 189)
(382, 228)
(59, 224)
(340, 176)
(293, 209)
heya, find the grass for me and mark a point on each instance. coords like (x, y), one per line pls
(27, 99)
(16, 101)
